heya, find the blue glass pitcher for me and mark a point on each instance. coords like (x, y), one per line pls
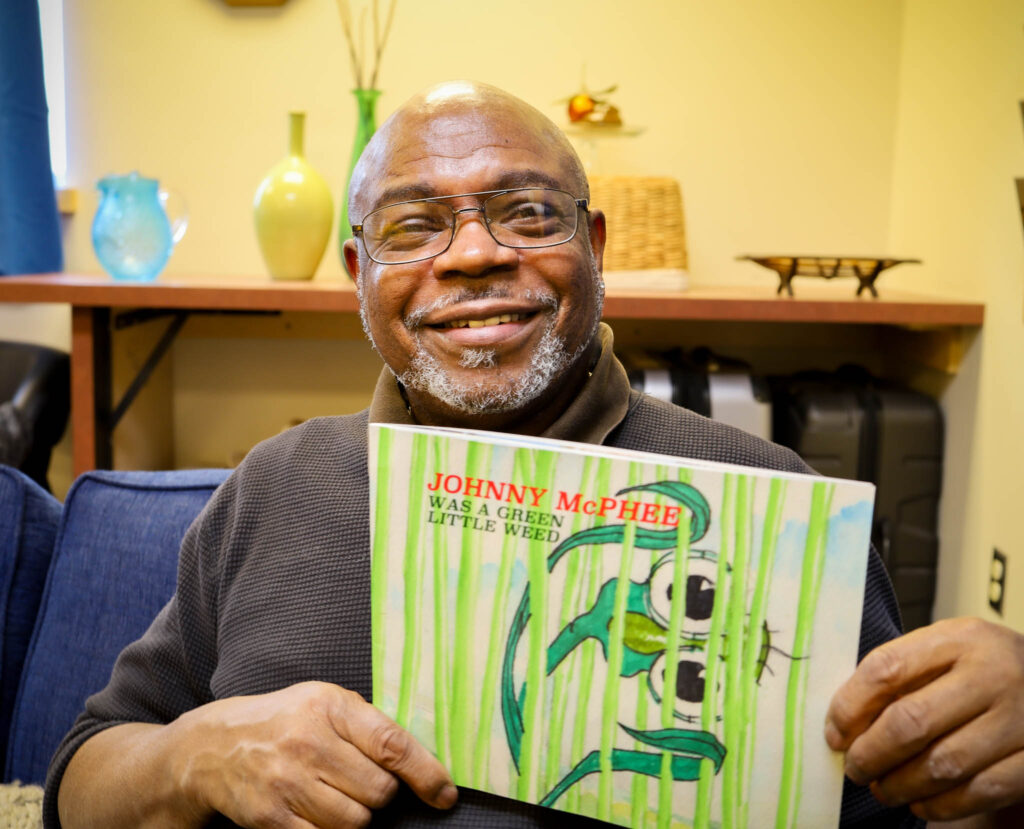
(132, 234)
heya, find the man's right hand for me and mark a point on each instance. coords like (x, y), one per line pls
(313, 751)
(312, 754)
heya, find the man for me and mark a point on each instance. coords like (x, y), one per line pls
(478, 268)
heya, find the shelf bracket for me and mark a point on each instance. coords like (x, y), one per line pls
(139, 316)
(942, 349)
(159, 350)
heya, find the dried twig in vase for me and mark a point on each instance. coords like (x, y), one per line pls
(356, 50)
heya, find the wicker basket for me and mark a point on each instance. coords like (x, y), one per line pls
(645, 222)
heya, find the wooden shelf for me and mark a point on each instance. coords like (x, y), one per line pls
(186, 293)
(813, 304)
(897, 330)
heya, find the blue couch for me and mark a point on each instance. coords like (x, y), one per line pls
(77, 583)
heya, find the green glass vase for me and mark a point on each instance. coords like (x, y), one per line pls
(366, 126)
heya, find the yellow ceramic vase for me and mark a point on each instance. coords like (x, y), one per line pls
(293, 211)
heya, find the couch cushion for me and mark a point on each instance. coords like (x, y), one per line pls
(114, 566)
(28, 525)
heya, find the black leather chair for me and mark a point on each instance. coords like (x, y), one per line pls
(35, 401)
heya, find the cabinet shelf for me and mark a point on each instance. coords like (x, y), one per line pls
(756, 303)
(773, 332)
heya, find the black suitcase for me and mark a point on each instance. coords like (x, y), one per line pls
(707, 383)
(850, 425)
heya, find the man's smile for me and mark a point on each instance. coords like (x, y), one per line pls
(479, 332)
(485, 322)
(468, 323)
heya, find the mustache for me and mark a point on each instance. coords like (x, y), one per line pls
(546, 298)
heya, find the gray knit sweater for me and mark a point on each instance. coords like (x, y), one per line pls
(273, 589)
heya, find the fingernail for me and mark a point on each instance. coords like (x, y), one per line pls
(832, 736)
(854, 773)
(446, 797)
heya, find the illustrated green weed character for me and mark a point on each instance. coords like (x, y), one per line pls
(645, 645)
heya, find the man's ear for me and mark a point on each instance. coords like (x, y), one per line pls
(598, 235)
(351, 256)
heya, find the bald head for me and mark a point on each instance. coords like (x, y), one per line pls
(459, 117)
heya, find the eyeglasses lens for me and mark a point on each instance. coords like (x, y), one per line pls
(531, 218)
(528, 218)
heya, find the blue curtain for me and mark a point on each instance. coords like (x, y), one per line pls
(29, 227)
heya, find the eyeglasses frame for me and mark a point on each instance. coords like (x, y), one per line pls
(357, 229)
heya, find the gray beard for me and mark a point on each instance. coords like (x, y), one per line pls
(427, 375)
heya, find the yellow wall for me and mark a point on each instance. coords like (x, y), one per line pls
(778, 117)
(959, 146)
(794, 125)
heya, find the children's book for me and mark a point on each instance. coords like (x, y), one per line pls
(643, 639)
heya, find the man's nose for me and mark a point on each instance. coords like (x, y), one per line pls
(473, 251)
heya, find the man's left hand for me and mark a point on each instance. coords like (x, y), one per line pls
(935, 719)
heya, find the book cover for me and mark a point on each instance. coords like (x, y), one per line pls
(643, 639)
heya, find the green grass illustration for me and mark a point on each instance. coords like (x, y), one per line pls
(589, 648)
(379, 555)
(735, 616)
(610, 705)
(677, 613)
(414, 551)
(488, 695)
(464, 699)
(531, 769)
(572, 602)
(442, 664)
(796, 691)
(754, 652)
(709, 709)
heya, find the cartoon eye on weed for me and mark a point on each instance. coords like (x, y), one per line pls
(651, 632)
(645, 641)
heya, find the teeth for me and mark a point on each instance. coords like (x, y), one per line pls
(498, 320)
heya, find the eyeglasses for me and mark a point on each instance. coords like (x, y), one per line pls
(527, 217)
